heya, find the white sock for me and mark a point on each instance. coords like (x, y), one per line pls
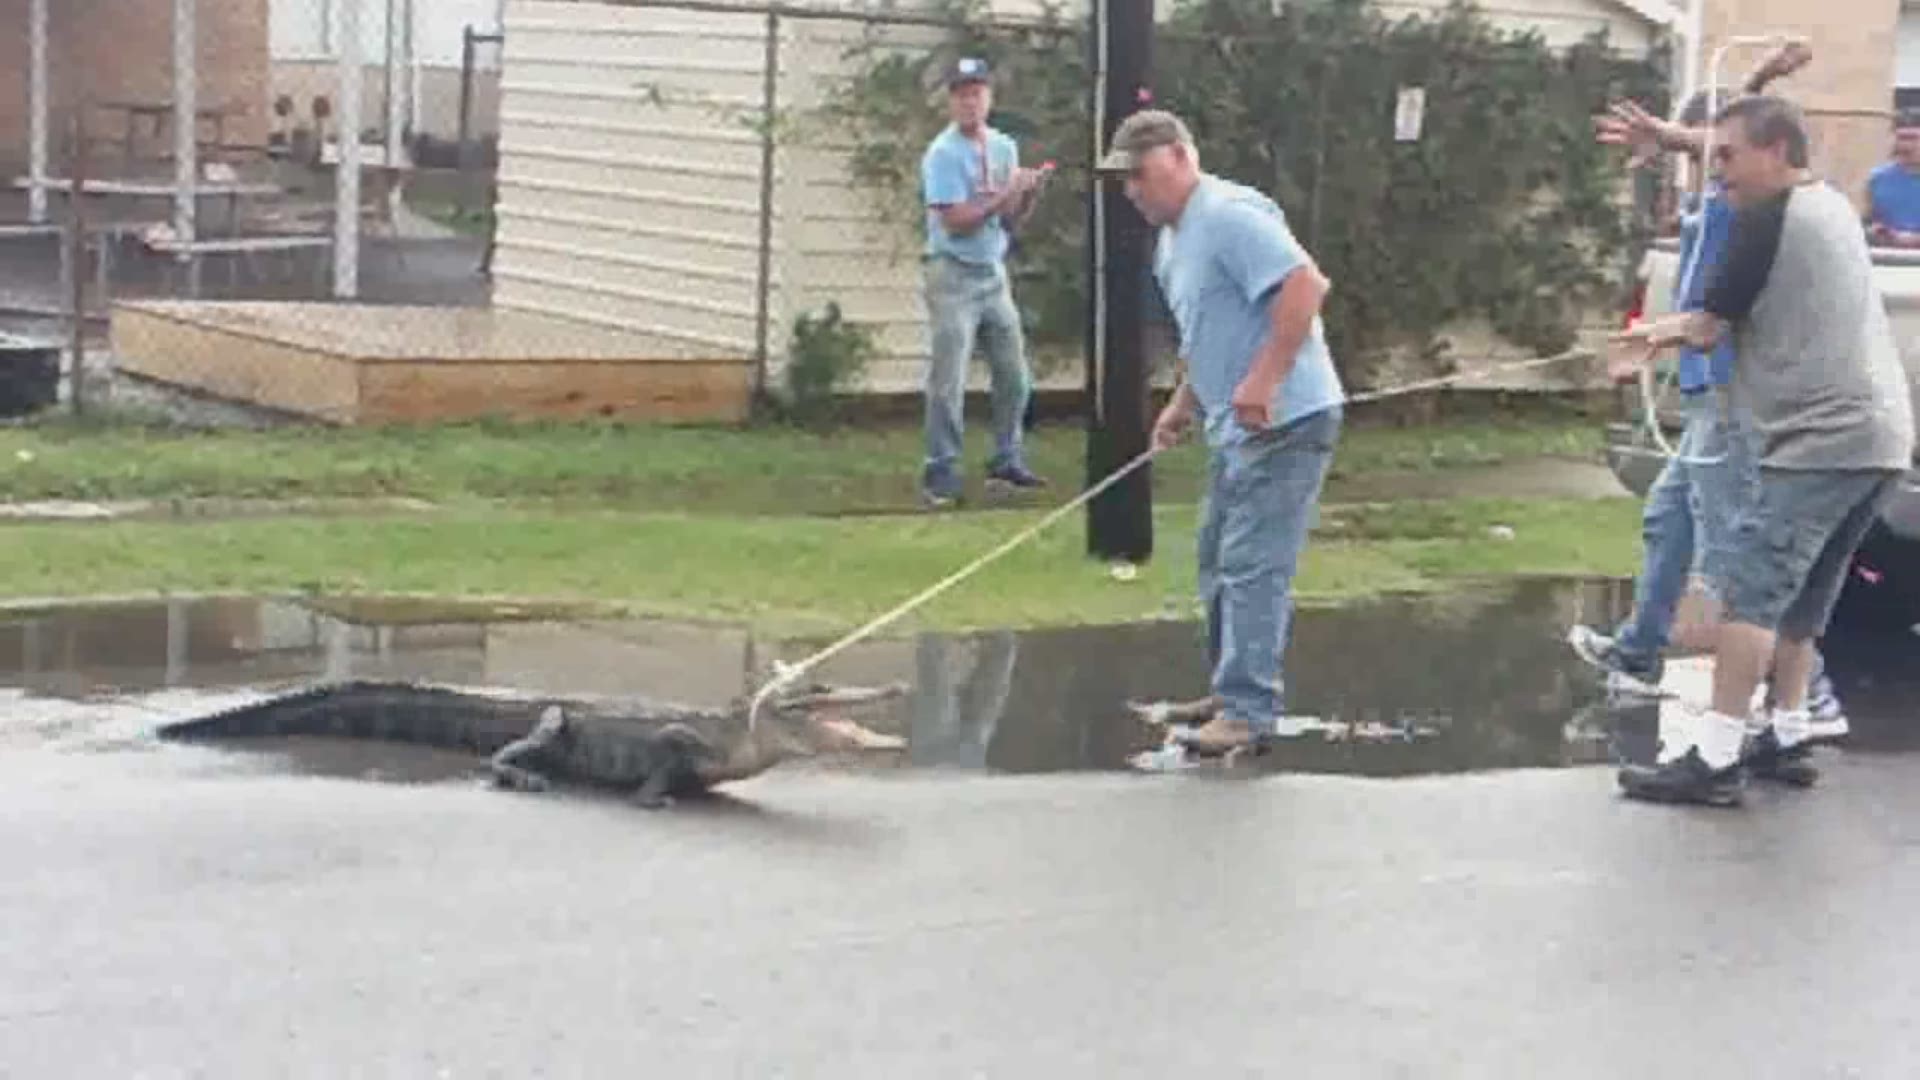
(1792, 728)
(1717, 737)
(1721, 740)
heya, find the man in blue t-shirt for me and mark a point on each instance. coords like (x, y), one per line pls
(975, 190)
(1690, 509)
(1893, 191)
(1245, 299)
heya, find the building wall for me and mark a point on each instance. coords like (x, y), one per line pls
(305, 50)
(1848, 89)
(123, 49)
(1907, 49)
(439, 89)
(308, 29)
(628, 196)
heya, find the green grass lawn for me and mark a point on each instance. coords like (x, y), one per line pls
(443, 206)
(700, 470)
(793, 574)
(773, 525)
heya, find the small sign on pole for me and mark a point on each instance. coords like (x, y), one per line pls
(1410, 115)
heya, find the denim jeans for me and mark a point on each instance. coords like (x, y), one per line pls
(1687, 526)
(1796, 543)
(965, 303)
(1260, 504)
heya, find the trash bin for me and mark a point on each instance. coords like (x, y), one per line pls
(29, 375)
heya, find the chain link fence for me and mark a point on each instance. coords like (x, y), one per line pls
(735, 187)
(194, 150)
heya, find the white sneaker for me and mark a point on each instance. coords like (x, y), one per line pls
(1826, 721)
(1601, 652)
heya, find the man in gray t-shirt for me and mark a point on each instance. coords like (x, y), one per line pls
(1818, 369)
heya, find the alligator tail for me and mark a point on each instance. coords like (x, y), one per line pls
(392, 712)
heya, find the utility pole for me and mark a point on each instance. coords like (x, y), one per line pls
(1119, 419)
(347, 123)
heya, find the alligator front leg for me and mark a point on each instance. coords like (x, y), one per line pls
(652, 794)
(515, 766)
(514, 778)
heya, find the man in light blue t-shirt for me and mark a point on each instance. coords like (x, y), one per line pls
(974, 189)
(1893, 191)
(1245, 298)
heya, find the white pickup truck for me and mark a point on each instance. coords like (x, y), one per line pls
(1887, 568)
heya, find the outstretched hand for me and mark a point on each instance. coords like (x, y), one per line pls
(1627, 124)
(1782, 62)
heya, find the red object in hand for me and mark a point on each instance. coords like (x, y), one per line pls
(1047, 165)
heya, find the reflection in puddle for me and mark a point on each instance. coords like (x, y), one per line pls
(1476, 679)
(1471, 680)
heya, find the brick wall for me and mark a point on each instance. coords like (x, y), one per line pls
(1848, 89)
(123, 49)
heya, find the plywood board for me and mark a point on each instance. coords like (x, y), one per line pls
(682, 391)
(172, 348)
(378, 364)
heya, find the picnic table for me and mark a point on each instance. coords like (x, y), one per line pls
(231, 190)
(244, 249)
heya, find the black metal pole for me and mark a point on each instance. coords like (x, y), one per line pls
(462, 155)
(763, 285)
(1119, 418)
(76, 256)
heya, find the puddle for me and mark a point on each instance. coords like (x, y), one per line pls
(1471, 680)
(1477, 679)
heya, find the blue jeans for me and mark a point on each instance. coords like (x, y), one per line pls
(965, 303)
(1687, 527)
(1260, 505)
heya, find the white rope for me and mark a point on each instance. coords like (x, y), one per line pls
(1650, 419)
(786, 674)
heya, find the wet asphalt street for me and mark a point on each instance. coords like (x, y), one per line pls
(167, 915)
(325, 909)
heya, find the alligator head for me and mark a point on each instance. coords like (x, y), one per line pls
(807, 722)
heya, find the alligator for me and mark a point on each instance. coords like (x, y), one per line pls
(651, 752)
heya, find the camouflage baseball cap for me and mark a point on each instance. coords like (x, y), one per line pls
(1140, 133)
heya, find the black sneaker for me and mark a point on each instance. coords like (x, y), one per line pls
(1685, 779)
(1010, 478)
(1766, 760)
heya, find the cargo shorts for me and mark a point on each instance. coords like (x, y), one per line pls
(1792, 546)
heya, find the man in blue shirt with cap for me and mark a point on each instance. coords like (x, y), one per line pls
(1245, 298)
(974, 189)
